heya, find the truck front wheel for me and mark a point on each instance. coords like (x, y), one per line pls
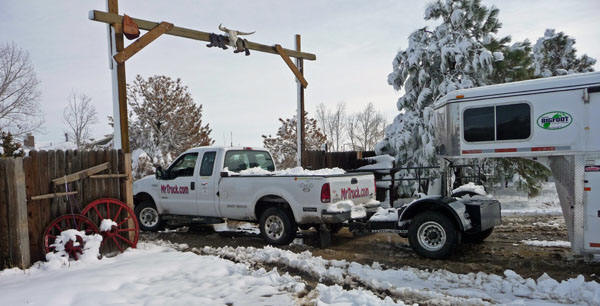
(277, 226)
(433, 235)
(148, 216)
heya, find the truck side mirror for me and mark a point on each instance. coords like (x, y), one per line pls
(224, 174)
(159, 172)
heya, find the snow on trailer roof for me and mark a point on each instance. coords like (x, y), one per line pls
(558, 83)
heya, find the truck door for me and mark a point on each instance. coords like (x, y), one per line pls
(207, 185)
(178, 191)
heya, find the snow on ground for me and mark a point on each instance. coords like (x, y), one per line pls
(545, 243)
(517, 203)
(289, 172)
(243, 227)
(429, 287)
(149, 275)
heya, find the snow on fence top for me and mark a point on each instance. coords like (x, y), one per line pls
(381, 162)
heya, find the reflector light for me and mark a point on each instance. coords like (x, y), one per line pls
(506, 150)
(247, 148)
(587, 188)
(594, 245)
(543, 149)
(460, 96)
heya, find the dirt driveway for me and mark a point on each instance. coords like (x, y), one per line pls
(503, 250)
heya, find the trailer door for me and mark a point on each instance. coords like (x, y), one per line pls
(591, 236)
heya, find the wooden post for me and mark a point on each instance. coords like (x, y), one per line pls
(300, 116)
(129, 189)
(17, 213)
(121, 138)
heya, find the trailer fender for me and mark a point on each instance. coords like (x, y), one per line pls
(451, 207)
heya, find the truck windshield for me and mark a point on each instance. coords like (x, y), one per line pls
(237, 161)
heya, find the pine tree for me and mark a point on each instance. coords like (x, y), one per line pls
(8, 146)
(554, 54)
(165, 121)
(284, 146)
(450, 57)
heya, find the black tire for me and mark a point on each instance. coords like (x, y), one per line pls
(277, 226)
(432, 234)
(477, 237)
(148, 217)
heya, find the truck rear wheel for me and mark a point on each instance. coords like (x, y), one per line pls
(277, 226)
(433, 235)
(148, 217)
(478, 237)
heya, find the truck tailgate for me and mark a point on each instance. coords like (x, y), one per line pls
(359, 188)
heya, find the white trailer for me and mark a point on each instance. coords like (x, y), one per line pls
(555, 121)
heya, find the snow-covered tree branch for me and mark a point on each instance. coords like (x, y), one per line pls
(79, 115)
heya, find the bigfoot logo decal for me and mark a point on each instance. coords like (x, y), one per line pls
(168, 189)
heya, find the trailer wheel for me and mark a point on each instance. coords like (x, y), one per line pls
(433, 235)
(478, 237)
(277, 226)
(148, 217)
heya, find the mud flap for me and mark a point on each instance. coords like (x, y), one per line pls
(324, 236)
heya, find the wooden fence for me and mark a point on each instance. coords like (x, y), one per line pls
(23, 219)
(345, 160)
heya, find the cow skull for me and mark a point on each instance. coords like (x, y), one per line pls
(233, 37)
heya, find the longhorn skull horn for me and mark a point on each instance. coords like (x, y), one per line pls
(245, 33)
(222, 28)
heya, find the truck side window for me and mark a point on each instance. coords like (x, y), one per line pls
(479, 124)
(208, 163)
(513, 121)
(183, 166)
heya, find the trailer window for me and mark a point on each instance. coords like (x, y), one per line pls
(479, 124)
(513, 121)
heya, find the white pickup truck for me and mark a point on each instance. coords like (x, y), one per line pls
(207, 184)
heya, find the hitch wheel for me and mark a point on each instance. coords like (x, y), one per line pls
(433, 235)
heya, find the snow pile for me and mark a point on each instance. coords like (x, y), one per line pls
(336, 295)
(429, 287)
(385, 215)
(357, 211)
(381, 162)
(544, 243)
(470, 187)
(59, 257)
(297, 171)
(107, 224)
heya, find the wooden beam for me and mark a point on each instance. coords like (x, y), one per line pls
(52, 195)
(80, 174)
(113, 8)
(129, 190)
(192, 34)
(17, 213)
(143, 41)
(301, 118)
(107, 176)
(293, 67)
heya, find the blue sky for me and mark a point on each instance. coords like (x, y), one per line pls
(355, 42)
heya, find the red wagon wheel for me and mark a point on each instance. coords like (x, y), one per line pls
(66, 222)
(121, 215)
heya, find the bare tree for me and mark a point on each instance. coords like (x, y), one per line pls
(19, 108)
(79, 115)
(333, 124)
(366, 128)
